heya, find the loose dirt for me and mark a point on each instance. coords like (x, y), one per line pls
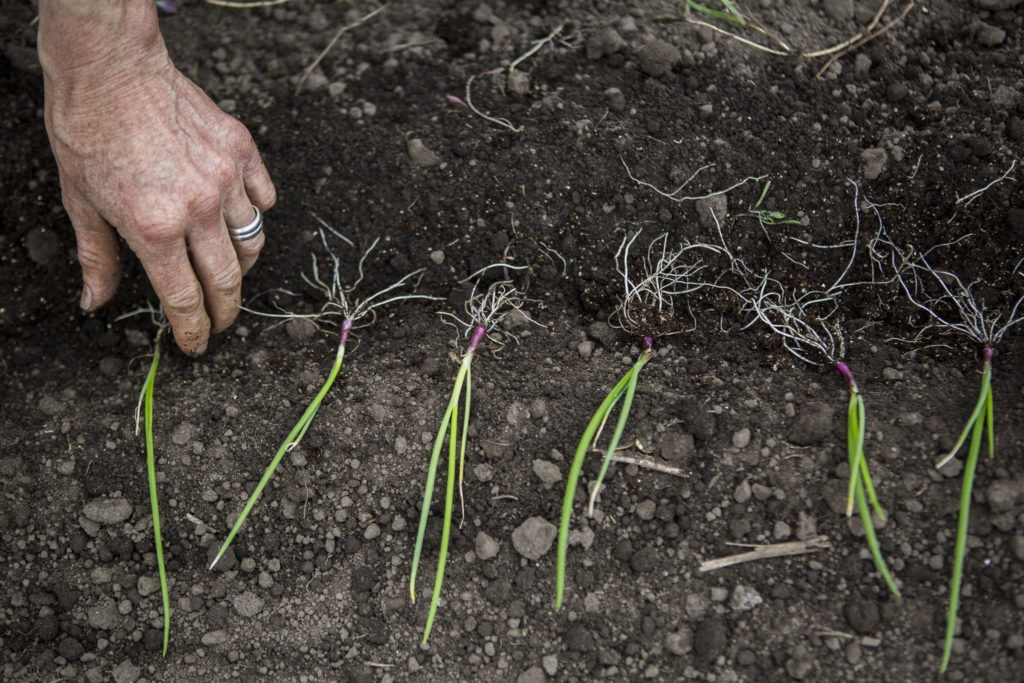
(380, 142)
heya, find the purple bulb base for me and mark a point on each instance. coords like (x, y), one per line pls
(478, 334)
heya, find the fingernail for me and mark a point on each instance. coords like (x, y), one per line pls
(86, 301)
(199, 350)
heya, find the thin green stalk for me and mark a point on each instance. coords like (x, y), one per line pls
(428, 489)
(855, 430)
(731, 14)
(462, 447)
(865, 475)
(876, 550)
(977, 424)
(450, 428)
(983, 398)
(446, 526)
(589, 435)
(854, 446)
(290, 442)
(620, 426)
(151, 472)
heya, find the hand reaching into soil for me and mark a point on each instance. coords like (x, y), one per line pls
(143, 152)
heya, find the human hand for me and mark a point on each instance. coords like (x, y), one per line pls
(143, 152)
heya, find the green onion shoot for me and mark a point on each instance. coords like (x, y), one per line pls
(339, 302)
(485, 312)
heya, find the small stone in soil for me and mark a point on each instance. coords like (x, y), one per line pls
(813, 424)
(108, 510)
(677, 447)
(248, 604)
(861, 614)
(874, 162)
(645, 509)
(533, 538)
(710, 639)
(420, 155)
(744, 598)
(644, 560)
(50, 406)
(213, 638)
(485, 546)
(532, 675)
(104, 616)
(547, 472)
(42, 245)
(742, 493)
(679, 642)
(657, 57)
(1004, 494)
(147, 585)
(126, 672)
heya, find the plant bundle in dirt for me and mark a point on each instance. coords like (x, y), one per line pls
(343, 308)
(654, 286)
(485, 310)
(810, 323)
(144, 413)
(954, 307)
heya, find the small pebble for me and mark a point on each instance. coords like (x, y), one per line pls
(645, 509)
(744, 598)
(485, 546)
(126, 672)
(420, 155)
(547, 472)
(248, 604)
(147, 585)
(214, 638)
(741, 438)
(533, 538)
(742, 493)
(108, 510)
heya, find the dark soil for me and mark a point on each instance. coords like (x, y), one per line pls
(318, 589)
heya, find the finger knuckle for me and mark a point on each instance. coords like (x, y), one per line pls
(206, 203)
(226, 172)
(237, 136)
(185, 301)
(92, 260)
(228, 279)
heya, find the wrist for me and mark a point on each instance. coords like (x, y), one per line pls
(87, 47)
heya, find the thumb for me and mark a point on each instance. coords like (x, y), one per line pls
(98, 252)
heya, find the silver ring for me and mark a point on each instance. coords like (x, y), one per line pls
(250, 230)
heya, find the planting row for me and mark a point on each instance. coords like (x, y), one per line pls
(662, 283)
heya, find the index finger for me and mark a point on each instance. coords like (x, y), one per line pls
(181, 295)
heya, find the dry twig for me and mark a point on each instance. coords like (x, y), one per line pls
(864, 40)
(764, 552)
(337, 36)
(649, 465)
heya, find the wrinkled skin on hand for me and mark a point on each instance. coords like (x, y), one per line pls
(144, 153)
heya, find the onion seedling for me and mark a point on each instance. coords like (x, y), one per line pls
(646, 309)
(144, 414)
(485, 311)
(810, 325)
(354, 313)
(953, 308)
